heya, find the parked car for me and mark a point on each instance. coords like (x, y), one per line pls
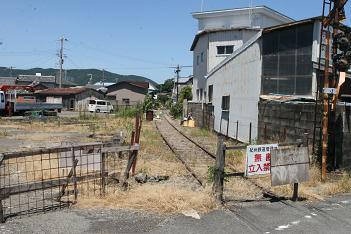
(100, 106)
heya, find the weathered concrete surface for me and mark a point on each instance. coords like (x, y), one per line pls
(330, 216)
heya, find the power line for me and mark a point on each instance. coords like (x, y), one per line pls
(81, 44)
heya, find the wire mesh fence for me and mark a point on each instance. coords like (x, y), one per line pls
(40, 180)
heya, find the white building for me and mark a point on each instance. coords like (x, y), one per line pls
(220, 34)
(280, 61)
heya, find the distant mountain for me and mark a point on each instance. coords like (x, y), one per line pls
(78, 76)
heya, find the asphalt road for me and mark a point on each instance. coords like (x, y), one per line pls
(330, 216)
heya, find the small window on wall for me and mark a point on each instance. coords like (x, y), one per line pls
(223, 50)
(202, 57)
(126, 101)
(198, 60)
(197, 94)
(201, 92)
(225, 103)
(2, 97)
(210, 93)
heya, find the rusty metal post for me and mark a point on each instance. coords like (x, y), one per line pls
(137, 140)
(325, 119)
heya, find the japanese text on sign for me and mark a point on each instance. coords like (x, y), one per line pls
(258, 159)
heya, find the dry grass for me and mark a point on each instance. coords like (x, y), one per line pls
(236, 159)
(161, 198)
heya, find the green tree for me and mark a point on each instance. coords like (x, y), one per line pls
(167, 86)
(185, 93)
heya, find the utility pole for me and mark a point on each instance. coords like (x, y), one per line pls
(336, 14)
(103, 77)
(177, 70)
(11, 68)
(62, 39)
(177, 86)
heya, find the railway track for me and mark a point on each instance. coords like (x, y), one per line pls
(194, 158)
(201, 152)
(172, 134)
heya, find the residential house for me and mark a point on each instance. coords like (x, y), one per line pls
(42, 81)
(221, 33)
(181, 83)
(74, 98)
(127, 92)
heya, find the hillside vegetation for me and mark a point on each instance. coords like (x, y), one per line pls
(78, 76)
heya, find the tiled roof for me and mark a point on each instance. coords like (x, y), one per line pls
(62, 91)
(42, 79)
(7, 80)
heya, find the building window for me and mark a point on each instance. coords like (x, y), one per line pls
(197, 94)
(210, 93)
(225, 103)
(198, 60)
(225, 49)
(201, 92)
(202, 57)
(126, 101)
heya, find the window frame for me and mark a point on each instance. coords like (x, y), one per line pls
(225, 103)
(210, 93)
(126, 101)
(225, 49)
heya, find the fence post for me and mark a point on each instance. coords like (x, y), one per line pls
(237, 130)
(2, 218)
(103, 177)
(137, 140)
(228, 128)
(250, 130)
(295, 196)
(74, 175)
(219, 170)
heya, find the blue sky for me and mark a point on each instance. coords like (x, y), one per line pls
(142, 37)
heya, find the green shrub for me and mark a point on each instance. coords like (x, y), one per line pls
(185, 93)
(176, 110)
(129, 111)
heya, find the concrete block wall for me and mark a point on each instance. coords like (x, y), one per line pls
(202, 114)
(342, 130)
(286, 121)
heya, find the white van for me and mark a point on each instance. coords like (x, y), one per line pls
(100, 106)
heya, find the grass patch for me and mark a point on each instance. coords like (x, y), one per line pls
(160, 198)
